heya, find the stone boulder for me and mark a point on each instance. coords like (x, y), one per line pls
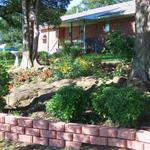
(24, 95)
(117, 80)
(85, 82)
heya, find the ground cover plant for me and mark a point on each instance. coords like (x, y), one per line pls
(32, 75)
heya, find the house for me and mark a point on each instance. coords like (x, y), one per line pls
(90, 27)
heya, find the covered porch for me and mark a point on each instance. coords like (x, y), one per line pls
(91, 27)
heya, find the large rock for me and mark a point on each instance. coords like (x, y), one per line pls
(85, 82)
(24, 95)
(117, 80)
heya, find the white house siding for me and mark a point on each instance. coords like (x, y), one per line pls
(51, 44)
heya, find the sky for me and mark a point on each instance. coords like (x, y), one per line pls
(73, 3)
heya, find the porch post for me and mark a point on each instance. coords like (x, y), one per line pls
(48, 39)
(84, 35)
(71, 32)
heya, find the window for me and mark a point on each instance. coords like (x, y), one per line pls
(107, 27)
(44, 39)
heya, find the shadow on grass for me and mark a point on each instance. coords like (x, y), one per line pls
(9, 145)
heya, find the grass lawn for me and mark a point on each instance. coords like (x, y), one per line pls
(7, 145)
(102, 57)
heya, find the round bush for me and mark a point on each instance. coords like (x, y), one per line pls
(120, 45)
(70, 49)
(124, 106)
(68, 104)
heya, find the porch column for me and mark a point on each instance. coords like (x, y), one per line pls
(71, 32)
(48, 40)
(84, 35)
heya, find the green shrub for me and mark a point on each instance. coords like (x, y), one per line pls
(2, 103)
(72, 50)
(3, 84)
(6, 55)
(123, 106)
(4, 78)
(68, 104)
(120, 45)
(69, 68)
(43, 57)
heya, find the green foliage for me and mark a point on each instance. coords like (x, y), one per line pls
(72, 50)
(68, 68)
(43, 57)
(119, 45)
(3, 84)
(123, 106)
(6, 55)
(122, 69)
(68, 104)
(3, 79)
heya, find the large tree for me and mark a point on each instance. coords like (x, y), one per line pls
(141, 64)
(36, 12)
(33, 14)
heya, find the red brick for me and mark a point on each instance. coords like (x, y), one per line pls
(40, 124)
(65, 136)
(98, 140)
(25, 139)
(57, 143)
(143, 136)
(40, 141)
(2, 135)
(81, 138)
(17, 129)
(108, 132)
(90, 130)
(5, 127)
(11, 120)
(135, 145)
(48, 134)
(31, 131)
(75, 145)
(58, 126)
(11, 136)
(2, 117)
(126, 134)
(73, 128)
(25, 122)
(117, 142)
(146, 147)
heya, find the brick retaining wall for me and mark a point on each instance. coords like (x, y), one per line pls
(60, 134)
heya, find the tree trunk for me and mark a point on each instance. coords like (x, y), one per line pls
(36, 34)
(30, 10)
(26, 61)
(141, 63)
